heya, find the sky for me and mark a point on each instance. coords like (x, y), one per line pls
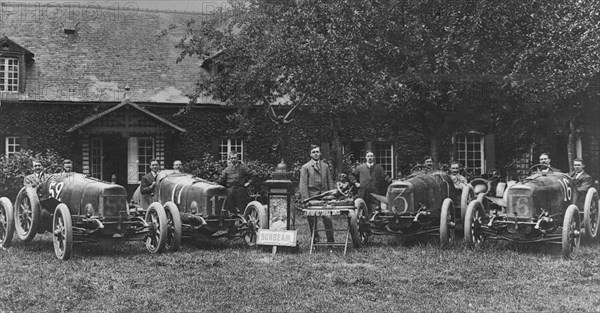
(205, 6)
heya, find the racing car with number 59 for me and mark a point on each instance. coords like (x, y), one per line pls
(77, 208)
(541, 208)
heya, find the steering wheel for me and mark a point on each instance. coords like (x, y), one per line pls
(493, 174)
(539, 168)
(420, 167)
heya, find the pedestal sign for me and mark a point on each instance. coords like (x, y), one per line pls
(282, 219)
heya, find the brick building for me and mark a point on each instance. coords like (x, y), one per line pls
(102, 86)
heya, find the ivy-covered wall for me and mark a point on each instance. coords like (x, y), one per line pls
(45, 126)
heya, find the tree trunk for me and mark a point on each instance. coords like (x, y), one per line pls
(336, 146)
(572, 143)
(433, 145)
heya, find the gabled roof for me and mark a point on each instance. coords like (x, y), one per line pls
(9, 45)
(125, 103)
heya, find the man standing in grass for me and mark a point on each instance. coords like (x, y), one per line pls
(236, 177)
(315, 179)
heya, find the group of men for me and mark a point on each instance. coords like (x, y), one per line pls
(36, 178)
(236, 177)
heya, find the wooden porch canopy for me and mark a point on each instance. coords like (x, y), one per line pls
(125, 118)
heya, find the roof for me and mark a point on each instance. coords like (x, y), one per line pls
(93, 52)
(7, 44)
(125, 103)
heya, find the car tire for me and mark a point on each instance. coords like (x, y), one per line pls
(27, 214)
(7, 222)
(363, 215)
(571, 232)
(156, 238)
(62, 232)
(173, 241)
(473, 234)
(353, 228)
(467, 195)
(590, 214)
(447, 222)
(255, 215)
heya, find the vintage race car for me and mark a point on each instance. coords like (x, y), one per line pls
(425, 203)
(77, 208)
(541, 208)
(195, 208)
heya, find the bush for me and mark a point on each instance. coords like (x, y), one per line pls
(205, 168)
(18, 165)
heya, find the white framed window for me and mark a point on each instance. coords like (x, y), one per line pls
(13, 145)
(9, 74)
(228, 145)
(146, 152)
(384, 156)
(96, 158)
(469, 150)
(383, 150)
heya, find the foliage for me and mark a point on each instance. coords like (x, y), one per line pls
(442, 67)
(17, 166)
(205, 168)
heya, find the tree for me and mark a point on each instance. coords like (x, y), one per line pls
(432, 63)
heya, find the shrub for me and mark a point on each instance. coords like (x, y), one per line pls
(205, 168)
(14, 168)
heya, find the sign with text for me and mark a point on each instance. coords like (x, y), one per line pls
(267, 237)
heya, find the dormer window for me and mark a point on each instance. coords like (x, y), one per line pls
(13, 59)
(9, 74)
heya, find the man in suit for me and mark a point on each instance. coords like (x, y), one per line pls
(545, 160)
(236, 177)
(35, 179)
(178, 166)
(315, 178)
(581, 181)
(459, 181)
(67, 166)
(369, 178)
(148, 183)
(428, 162)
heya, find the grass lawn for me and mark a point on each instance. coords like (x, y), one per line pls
(222, 275)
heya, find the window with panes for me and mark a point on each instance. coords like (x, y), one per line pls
(469, 151)
(9, 74)
(228, 145)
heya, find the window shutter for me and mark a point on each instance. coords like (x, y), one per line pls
(215, 148)
(489, 149)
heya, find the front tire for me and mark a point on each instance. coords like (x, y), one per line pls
(157, 237)
(173, 241)
(467, 195)
(27, 214)
(7, 222)
(473, 234)
(447, 222)
(353, 227)
(62, 230)
(571, 232)
(363, 215)
(255, 215)
(590, 214)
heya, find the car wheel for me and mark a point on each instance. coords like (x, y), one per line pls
(571, 232)
(7, 222)
(590, 214)
(255, 215)
(447, 222)
(62, 231)
(467, 195)
(27, 214)
(473, 234)
(173, 242)
(353, 227)
(157, 236)
(363, 215)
